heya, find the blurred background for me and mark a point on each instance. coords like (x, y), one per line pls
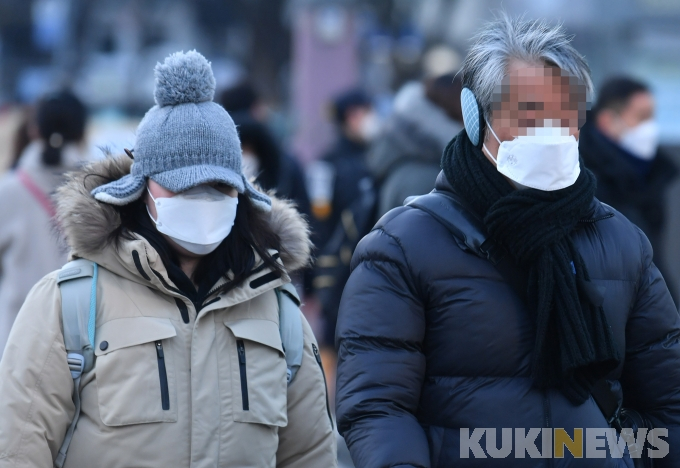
(299, 53)
(286, 61)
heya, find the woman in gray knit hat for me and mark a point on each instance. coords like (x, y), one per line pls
(175, 338)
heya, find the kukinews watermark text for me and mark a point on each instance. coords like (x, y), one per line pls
(554, 443)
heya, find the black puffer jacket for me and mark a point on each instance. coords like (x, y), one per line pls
(431, 340)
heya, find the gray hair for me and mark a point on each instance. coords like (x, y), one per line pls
(506, 38)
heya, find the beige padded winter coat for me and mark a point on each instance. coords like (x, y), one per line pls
(213, 409)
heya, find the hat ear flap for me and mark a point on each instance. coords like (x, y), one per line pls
(473, 117)
(122, 191)
(261, 201)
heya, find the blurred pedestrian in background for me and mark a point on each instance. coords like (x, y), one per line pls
(21, 138)
(620, 144)
(189, 261)
(265, 161)
(405, 159)
(510, 297)
(243, 98)
(268, 165)
(347, 214)
(30, 244)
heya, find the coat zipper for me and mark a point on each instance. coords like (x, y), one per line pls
(240, 347)
(318, 360)
(165, 394)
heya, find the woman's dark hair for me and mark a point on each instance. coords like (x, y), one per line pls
(61, 119)
(22, 138)
(251, 232)
(258, 137)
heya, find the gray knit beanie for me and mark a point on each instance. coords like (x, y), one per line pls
(185, 139)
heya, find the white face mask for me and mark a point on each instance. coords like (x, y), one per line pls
(547, 159)
(198, 219)
(642, 140)
(370, 127)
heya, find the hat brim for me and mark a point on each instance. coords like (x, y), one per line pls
(183, 178)
(130, 187)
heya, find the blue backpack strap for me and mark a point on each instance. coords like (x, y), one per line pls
(290, 327)
(77, 282)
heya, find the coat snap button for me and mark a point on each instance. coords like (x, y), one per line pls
(104, 345)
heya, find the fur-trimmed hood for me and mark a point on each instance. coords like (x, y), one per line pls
(88, 224)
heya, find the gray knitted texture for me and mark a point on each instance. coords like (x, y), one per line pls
(184, 140)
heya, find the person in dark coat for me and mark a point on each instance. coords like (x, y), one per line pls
(405, 158)
(437, 346)
(619, 143)
(264, 161)
(273, 168)
(346, 212)
(357, 126)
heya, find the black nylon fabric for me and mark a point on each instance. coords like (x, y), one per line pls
(574, 346)
(431, 340)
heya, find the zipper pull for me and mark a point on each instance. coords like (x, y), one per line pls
(316, 353)
(241, 352)
(159, 349)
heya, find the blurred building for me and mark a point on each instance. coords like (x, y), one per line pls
(107, 48)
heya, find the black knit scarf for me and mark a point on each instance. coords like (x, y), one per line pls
(574, 346)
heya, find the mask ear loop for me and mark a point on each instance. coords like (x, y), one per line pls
(147, 189)
(147, 206)
(497, 139)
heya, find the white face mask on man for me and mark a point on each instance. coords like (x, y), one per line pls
(642, 140)
(547, 159)
(198, 219)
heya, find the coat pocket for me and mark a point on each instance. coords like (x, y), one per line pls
(134, 371)
(259, 387)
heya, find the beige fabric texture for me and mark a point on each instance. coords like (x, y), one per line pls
(122, 423)
(30, 245)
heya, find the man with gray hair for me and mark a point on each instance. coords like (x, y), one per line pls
(509, 314)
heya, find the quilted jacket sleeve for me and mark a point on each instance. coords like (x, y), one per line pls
(381, 366)
(652, 366)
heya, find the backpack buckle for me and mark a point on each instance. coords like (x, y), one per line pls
(76, 364)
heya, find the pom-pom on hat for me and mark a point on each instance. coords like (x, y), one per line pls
(184, 140)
